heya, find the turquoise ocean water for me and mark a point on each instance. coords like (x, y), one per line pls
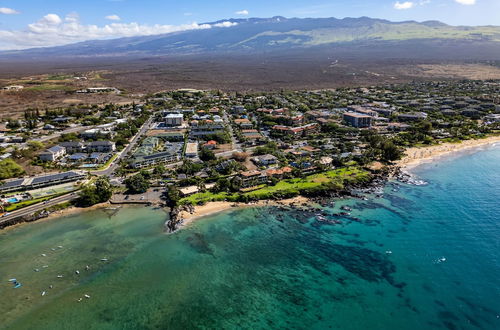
(425, 257)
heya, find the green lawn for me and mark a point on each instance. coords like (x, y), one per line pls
(30, 202)
(54, 190)
(205, 197)
(26, 203)
(106, 165)
(335, 179)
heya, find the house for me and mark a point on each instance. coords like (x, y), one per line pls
(11, 139)
(218, 119)
(278, 173)
(325, 121)
(214, 111)
(383, 111)
(171, 136)
(78, 157)
(101, 146)
(318, 114)
(224, 165)
(412, 116)
(72, 147)
(92, 90)
(238, 109)
(363, 110)
(210, 145)
(326, 161)
(296, 131)
(154, 159)
(252, 178)
(492, 118)
(95, 146)
(97, 132)
(472, 113)
(62, 120)
(98, 157)
(151, 142)
(265, 160)
(40, 181)
(357, 119)
(174, 119)
(13, 88)
(449, 112)
(205, 128)
(52, 154)
(252, 134)
(398, 127)
(191, 150)
(243, 123)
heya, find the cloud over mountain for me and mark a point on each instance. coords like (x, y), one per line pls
(52, 30)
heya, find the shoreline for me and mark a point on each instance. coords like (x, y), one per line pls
(75, 210)
(417, 156)
(212, 208)
(414, 157)
(60, 214)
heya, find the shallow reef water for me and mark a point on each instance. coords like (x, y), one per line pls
(420, 257)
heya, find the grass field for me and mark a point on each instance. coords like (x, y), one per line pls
(331, 180)
(27, 203)
(55, 190)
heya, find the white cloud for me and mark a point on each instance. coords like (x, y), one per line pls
(403, 5)
(8, 11)
(225, 24)
(466, 2)
(52, 30)
(243, 12)
(113, 17)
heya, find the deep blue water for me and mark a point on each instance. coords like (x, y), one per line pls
(425, 257)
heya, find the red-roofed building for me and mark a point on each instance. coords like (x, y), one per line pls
(210, 144)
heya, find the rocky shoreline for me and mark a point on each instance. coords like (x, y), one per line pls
(180, 216)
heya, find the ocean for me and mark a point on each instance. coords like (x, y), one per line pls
(420, 257)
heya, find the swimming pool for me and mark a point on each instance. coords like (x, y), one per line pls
(12, 200)
(89, 165)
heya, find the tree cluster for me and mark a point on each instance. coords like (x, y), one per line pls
(94, 193)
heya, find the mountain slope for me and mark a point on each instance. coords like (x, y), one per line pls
(257, 35)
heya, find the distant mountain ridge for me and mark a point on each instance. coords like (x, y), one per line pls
(262, 35)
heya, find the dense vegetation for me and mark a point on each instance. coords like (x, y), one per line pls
(137, 184)
(10, 169)
(96, 192)
(312, 185)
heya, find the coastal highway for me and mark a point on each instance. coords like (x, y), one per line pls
(37, 207)
(68, 197)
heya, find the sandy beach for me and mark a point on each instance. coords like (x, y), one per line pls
(416, 156)
(201, 211)
(75, 210)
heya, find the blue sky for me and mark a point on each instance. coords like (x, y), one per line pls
(28, 23)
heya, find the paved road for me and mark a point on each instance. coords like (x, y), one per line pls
(109, 171)
(67, 131)
(68, 197)
(37, 207)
